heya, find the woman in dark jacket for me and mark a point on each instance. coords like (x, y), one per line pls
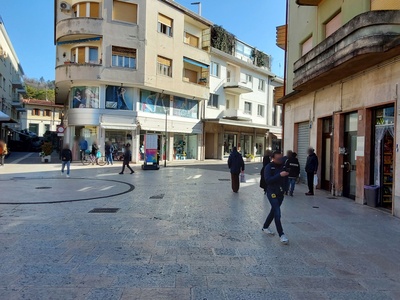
(236, 165)
(127, 159)
(266, 161)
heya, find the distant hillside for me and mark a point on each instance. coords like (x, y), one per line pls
(40, 89)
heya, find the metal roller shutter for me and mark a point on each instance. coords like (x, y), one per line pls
(303, 142)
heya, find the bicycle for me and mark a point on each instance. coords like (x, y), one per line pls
(88, 159)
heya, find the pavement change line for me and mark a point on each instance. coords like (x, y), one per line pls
(107, 188)
(21, 158)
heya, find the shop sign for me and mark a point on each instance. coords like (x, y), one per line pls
(151, 144)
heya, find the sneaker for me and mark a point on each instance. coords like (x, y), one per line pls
(284, 239)
(132, 172)
(67, 176)
(268, 231)
(120, 173)
(291, 194)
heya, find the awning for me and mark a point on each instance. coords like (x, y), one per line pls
(196, 63)
(118, 126)
(277, 136)
(79, 41)
(4, 117)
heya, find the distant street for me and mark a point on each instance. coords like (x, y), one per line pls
(180, 233)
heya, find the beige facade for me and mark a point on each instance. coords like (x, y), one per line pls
(341, 94)
(11, 85)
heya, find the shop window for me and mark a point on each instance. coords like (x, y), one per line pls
(230, 141)
(185, 108)
(247, 108)
(164, 66)
(165, 25)
(333, 24)
(81, 55)
(124, 11)
(153, 102)
(214, 69)
(185, 146)
(34, 128)
(86, 9)
(260, 110)
(35, 112)
(123, 57)
(47, 113)
(306, 46)
(191, 40)
(213, 101)
(46, 128)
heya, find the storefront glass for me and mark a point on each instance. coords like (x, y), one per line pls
(230, 141)
(185, 108)
(185, 146)
(259, 148)
(246, 145)
(88, 133)
(118, 97)
(119, 139)
(153, 102)
(85, 97)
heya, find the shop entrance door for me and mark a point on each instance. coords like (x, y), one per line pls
(326, 154)
(349, 161)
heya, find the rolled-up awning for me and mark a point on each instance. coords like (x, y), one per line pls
(79, 41)
(118, 126)
(4, 117)
(196, 63)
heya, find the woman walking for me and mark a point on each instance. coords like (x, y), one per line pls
(127, 159)
(236, 165)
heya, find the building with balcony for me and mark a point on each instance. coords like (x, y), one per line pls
(341, 93)
(241, 111)
(41, 116)
(11, 86)
(128, 68)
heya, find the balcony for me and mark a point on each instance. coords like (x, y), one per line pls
(281, 36)
(365, 41)
(79, 26)
(17, 104)
(72, 71)
(17, 82)
(236, 114)
(308, 2)
(237, 87)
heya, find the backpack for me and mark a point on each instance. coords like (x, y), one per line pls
(263, 185)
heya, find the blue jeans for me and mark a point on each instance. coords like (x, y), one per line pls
(109, 158)
(292, 184)
(68, 163)
(275, 212)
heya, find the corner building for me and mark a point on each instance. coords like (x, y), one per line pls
(342, 93)
(132, 67)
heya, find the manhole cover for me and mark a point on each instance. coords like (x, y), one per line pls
(161, 196)
(104, 210)
(224, 179)
(43, 187)
(331, 197)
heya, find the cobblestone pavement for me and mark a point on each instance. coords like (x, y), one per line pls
(181, 233)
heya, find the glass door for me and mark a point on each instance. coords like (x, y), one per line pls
(349, 162)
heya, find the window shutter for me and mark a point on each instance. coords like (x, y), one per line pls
(164, 20)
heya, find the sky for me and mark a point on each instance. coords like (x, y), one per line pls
(30, 26)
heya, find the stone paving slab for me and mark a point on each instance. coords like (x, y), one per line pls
(198, 241)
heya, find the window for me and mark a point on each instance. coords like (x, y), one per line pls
(213, 101)
(261, 85)
(164, 25)
(247, 108)
(46, 127)
(4, 84)
(246, 78)
(243, 49)
(35, 112)
(86, 9)
(214, 69)
(306, 46)
(260, 110)
(78, 55)
(164, 66)
(123, 57)
(124, 11)
(47, 113)
(190, 75)
(191, 40)
(1, 81)
(333, 24)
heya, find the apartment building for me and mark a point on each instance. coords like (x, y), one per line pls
(342, 95)
(11, 85)
(41, 116)
(129, 68)
(241, 111)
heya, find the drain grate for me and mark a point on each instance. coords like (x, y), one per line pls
(104, 210)
(224, 179)
(43, 187)
(161, 196)
(331, 197)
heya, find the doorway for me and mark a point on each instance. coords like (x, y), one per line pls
(210, 146)
(326, 161)
(349, 160)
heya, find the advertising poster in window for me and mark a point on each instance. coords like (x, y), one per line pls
(153, 102)
(185, 108)
(119, 97)
(85, 97)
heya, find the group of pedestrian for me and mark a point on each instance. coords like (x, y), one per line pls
(279, 175)
(3, 152)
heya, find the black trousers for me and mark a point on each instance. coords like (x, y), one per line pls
(127, 165)
(310, 182)
(235, 182)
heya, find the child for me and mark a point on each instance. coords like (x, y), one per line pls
(66, 157)
(127, 159)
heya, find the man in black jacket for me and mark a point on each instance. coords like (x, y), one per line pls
(311, 170)
(236, 165)
(292, 166)
(66, 157)
(275, 179)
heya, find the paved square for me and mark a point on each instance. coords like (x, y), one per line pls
(180, 233)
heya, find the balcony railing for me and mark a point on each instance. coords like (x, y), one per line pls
(236, 114)
(78, 26)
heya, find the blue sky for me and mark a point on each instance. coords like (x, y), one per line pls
(30, 27)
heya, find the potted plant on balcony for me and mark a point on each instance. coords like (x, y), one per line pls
(47, 149)
(203, 81)
(249, 157)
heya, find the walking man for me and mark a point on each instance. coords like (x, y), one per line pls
(66, 157)
(292, 166)
(275, 180)
(83, 146)
(109, 150)
(236, 165)
(311, 170)
(127, 159)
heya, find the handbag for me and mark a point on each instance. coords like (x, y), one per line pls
(242, 177)
(315, 180)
